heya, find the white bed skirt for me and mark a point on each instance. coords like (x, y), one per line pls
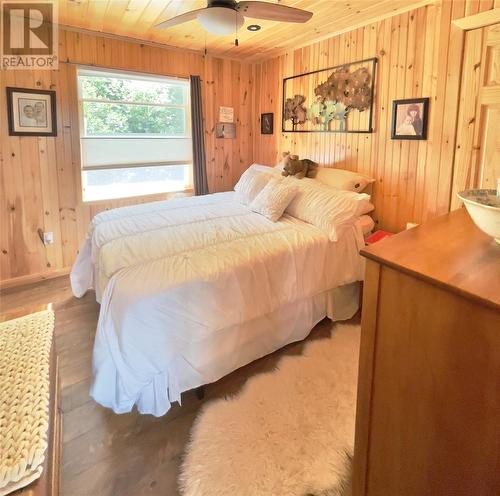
(224, 351)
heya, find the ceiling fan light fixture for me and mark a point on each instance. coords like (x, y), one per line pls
(220, 20)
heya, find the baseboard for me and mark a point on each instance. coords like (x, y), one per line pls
(32, 278)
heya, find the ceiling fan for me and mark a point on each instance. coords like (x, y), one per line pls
(223, 17)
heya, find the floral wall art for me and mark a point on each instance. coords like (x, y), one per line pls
(338, 99)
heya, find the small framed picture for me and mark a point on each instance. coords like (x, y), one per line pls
(267, 123)
(409, 119)
(225, 130)
(31, 112)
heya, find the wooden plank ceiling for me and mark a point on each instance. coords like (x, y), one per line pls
(137, 18)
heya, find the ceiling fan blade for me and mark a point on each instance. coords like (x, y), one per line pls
(180, 19)
(272, 11)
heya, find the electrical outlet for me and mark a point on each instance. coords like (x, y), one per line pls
(48, 238)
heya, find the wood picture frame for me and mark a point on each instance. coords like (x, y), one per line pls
(31, 112)
(225, 130)
(267, 123)
(410, 118)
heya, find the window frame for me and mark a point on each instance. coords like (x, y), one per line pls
(132, 75)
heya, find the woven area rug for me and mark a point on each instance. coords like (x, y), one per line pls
(25, 345)
(289, 432)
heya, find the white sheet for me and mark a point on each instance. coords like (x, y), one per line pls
(194, 288)
(366, 224)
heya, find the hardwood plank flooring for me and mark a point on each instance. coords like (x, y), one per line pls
(105, 454)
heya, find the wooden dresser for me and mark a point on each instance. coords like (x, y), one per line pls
(428, 413)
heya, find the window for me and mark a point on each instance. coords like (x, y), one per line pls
(135, 134)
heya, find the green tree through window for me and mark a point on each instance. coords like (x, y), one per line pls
(135, 135)
(144, 110)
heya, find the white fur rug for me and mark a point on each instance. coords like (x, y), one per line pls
(289, 432)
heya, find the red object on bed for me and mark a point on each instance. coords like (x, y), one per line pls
(377, 236)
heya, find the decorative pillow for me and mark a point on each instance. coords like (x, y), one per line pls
(251, 182)
(262, 168)
(366, 207)
(272, 201)
(343, 179)
(331, 210)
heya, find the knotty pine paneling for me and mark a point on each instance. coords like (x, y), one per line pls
(40, 177)
(419, 55)
(137, 18)
(475, 164)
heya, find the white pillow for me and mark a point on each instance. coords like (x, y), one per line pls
(262, 168)
(251, 182)
(331, 210)
(366, 207)
(343, 179)
(272, 201)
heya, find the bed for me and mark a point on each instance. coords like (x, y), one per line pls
(194, 288)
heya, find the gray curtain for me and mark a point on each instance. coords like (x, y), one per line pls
(199, 163)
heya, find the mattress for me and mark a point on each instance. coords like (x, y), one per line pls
(175, 276)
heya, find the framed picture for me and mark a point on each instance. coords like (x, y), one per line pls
(337, 99)
(225, 130)
(409, 119)
(31, 112)
(267, 123)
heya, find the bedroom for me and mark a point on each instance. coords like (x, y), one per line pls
(182, 307)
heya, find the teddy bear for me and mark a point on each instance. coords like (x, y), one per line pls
(292, 166)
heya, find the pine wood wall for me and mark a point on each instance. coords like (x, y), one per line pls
(419, 55)
(40, 177)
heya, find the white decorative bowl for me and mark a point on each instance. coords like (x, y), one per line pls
(483, 206)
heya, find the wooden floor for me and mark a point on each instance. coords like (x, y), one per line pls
(104, 453)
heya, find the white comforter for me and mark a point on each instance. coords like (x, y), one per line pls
(173, 275)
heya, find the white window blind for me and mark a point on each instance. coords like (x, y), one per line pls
(108, 153)
(130, 122)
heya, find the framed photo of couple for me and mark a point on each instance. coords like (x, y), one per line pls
(409, 119)
(31, 112)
